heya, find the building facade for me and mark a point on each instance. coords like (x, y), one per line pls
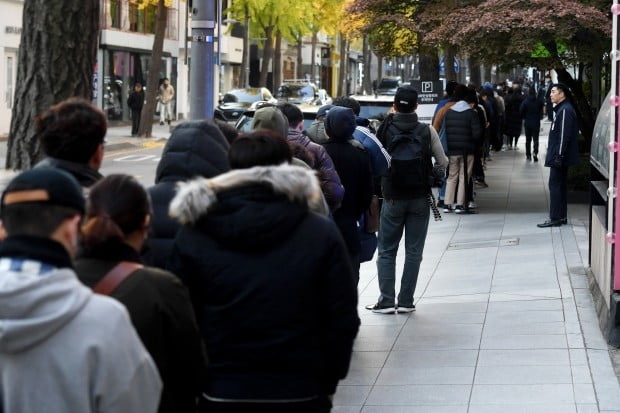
(10, 33)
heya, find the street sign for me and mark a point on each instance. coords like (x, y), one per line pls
(429, 91)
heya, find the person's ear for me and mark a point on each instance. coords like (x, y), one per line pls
(67, 234)
(97, 159)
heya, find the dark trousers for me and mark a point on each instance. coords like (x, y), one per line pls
(135, 121)
(531, 134)
(319, 405)
(557, 192)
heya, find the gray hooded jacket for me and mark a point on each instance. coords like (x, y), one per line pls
(65, 349)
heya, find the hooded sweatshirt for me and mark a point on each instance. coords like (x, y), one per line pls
(256, 263)
(63, 348)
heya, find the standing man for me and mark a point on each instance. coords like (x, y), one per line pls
(135, 101)
(166, 94)
(77, 348)
(562, 152)
(531, 112)
(405, 207)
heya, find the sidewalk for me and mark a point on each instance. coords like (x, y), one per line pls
(504, 322)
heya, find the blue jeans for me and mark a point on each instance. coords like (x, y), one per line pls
(412, 215)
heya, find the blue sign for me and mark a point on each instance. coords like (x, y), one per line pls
(442, 66)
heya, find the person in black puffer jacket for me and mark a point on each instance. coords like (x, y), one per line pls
(463, 130)
(194, 149)
(352, 163)
(270, 282)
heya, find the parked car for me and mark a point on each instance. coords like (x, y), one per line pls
(236, 101)
(302, 93)
(388, 85)
(244, 124)
(376, 108)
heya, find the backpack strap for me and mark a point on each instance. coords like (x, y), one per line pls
(116, 276)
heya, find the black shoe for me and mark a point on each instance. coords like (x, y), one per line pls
(161, 123)
(381, 309)
(168, 122)
(550, 223)
(535, 158)
(564, 221)
(528, 157)
(405, 308)
(440, 204)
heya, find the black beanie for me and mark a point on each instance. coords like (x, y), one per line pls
(340, 123)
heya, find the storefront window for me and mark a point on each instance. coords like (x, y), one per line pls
(121, 71)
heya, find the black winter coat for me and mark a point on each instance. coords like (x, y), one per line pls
(463, 129)
(353, 166)
(271, 284)
(159, 307)
(531, 111)
(514, 122)
(192, 150)
(135, 101)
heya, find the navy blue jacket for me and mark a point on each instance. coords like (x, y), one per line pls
(531, 112)
(563, 135)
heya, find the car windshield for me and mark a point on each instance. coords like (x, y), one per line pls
(296, 91)
(242, 96)
(388, 84)
(244, 124)
(375, 111)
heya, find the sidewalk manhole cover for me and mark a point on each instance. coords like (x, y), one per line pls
(509, 242)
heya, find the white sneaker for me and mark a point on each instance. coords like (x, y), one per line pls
(472, 205)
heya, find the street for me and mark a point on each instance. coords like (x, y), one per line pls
(140, 162)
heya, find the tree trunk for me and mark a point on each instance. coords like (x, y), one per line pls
(57, 55)
(152, 81)
(267, 52)
(343, 67)
(245, 64)
(448, 62)
(367, 83)
(487, 74)
(379, 69)
(277, 62)
(429, 65)
(299, 73)
(313, 75)
(474, 72)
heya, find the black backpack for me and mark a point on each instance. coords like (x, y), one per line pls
(411, 166)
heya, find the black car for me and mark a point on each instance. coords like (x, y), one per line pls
(388, 85)
(236, 101)
(244, 124)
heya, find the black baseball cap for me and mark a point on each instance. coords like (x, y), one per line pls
(45, 185)
(406, 98)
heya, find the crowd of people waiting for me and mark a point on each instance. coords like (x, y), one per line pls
(231, 284)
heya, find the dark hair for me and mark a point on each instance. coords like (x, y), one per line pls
(35, 218)
(137, 84)
(568, 94)
(71, 130)
(260, 147)
(229, 131)
(450, 87)
(347, 102)
(117, 206)
(460, 91)
(292, 113)
(471, 96)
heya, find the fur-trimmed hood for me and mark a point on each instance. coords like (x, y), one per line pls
(196, 198)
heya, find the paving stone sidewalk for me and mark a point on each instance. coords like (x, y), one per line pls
(505, 321)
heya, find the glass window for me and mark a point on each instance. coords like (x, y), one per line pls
(10, 79)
